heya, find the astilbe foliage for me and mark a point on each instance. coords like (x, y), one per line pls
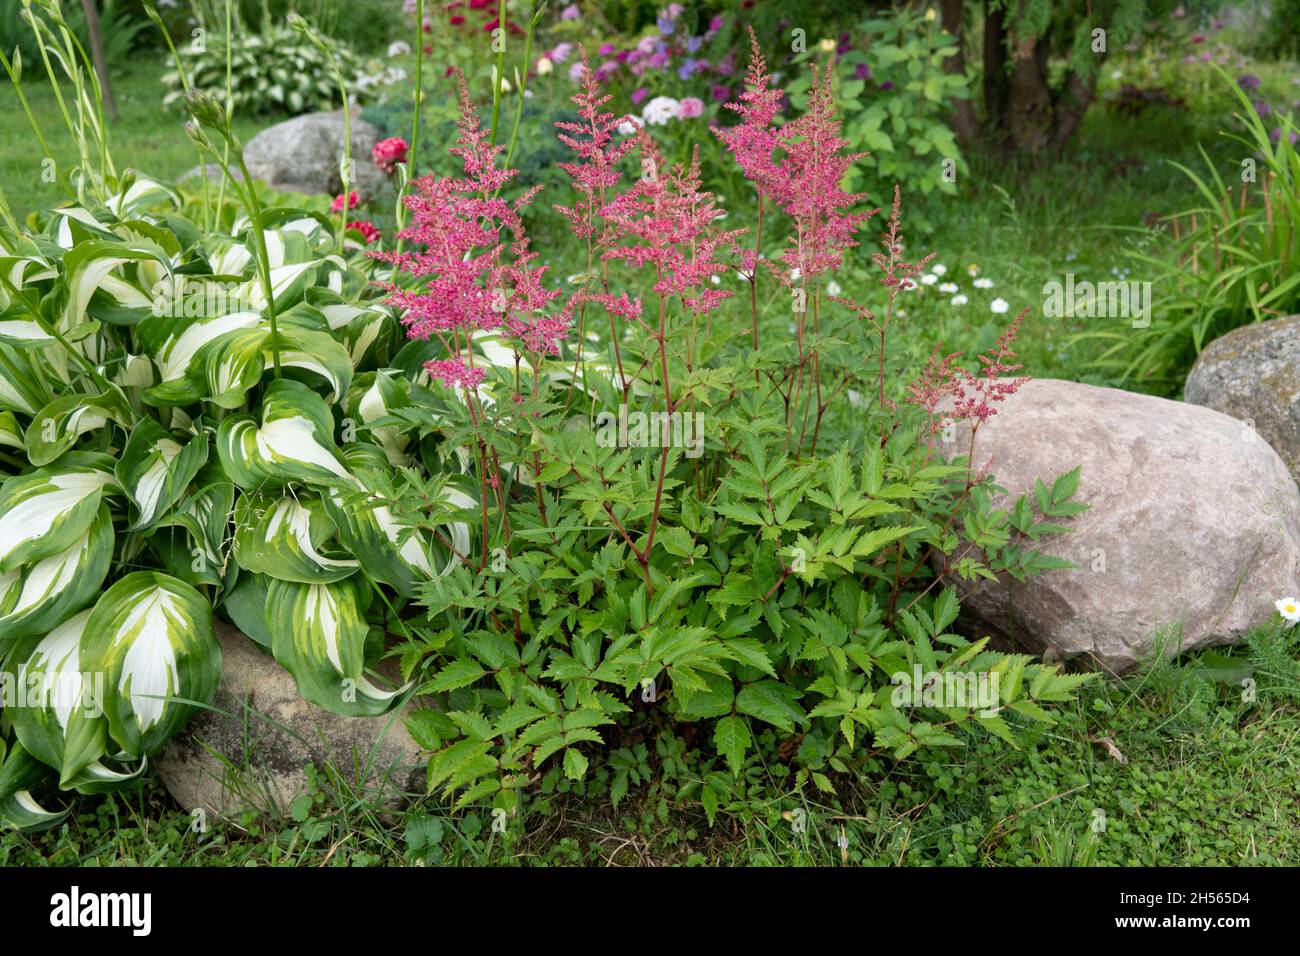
(753, 582)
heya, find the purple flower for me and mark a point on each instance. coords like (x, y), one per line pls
(658, 60)
(686, 69)
(607, 49)
(1263, 108)
(665, 25)
(845, 44)
(1248, 82)
(561, 52)
(720, 93)
(571, 12)
(639, 94)
(1277, 135)
(1198, 37)
(887, 85)
(717, 23)
(862, 72)
(575, 71)
(693, 44)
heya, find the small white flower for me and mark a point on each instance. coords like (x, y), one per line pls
(398, 48)
(629, 125)
(972, 270)
(715, 279)
(1289, 608)
(660, 110)
(929, 279)
(959, 300)
(983, 283)
(833, 288)
(939, 269)
(795, 273)
(1116, 74)
(907, 285)
(544, 66)
(999, 306)
(1071, 256)
(947, 288)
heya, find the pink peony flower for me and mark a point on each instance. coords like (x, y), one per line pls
(369, 231)
(387, 153)
(337, 204)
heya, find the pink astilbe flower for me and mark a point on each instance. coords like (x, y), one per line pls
(755, 140)
(454, 373)
(599, 151)
(814, 165)
(666, 221)
(977, 394)
(473, 279)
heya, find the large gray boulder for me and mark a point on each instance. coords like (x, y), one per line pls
(1253, 373)
(1193, 533)
(302, 155)
(251, 753)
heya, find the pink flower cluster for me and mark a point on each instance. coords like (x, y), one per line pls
(473, 258)
(974, 396)
(337, 204)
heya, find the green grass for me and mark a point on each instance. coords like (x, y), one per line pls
(144, 137)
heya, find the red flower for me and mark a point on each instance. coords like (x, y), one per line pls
(337, 204)
(387, 153)
(369, 231)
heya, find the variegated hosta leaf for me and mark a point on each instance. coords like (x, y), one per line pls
(390, 550)
(373, 397)
(155, 469)
(226, 368)
(318, 634)
(39, 596)
(288, 283)
(10, 433)
(92, 286)
(358, 327)
(179, 342)
(284, 538)
(17, 326)
(25, 379)
(60, 718)
(57, 426)
(294, 442)
(139, 195)
(44, 512)
(19, 773)
(319, 354)
(152, 637)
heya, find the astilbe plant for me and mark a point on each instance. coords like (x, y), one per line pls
(661, 542)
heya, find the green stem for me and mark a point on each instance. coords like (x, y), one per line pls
(501, 65)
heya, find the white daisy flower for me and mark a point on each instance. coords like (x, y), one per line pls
(1289, 608)
(959, 300)
(972, 270)
(983, 283)
(947, 288)
(833, 288)
(929, 279)
(999, 306)
(660, 110)
(939, 269)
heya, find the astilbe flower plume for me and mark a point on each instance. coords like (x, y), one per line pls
(473, 277)
(977, 394)
(666, 221)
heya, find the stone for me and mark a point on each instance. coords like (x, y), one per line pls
(1192, 534)
(302, 154)
(1253, 373)
(252, 751)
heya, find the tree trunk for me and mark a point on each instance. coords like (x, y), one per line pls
(963, 111)
(1029, 112)
(997, 90)
(97, 55)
